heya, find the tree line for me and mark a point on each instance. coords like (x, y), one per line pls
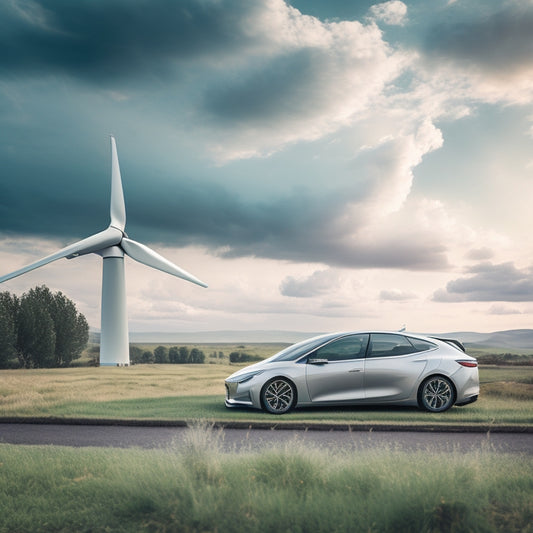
(184, 355)
(40, 329)
(163, 355)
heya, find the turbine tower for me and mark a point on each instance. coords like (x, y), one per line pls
(112, 244)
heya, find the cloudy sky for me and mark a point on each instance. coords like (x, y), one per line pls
(322, 164)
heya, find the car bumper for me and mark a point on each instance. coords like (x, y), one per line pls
(236, 397)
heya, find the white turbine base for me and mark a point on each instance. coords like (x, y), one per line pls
(114, 341)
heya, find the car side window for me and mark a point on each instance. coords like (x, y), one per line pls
(420, 345)
(344, 349)
(389, 345)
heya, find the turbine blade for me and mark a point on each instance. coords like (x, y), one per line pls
(118, 208)
(104, 239)
(147, 256)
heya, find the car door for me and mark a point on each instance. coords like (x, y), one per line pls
(392, 367)
(335, 372)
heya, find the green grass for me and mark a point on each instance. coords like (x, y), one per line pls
(291, 488)
(186, 392)
(487, 411)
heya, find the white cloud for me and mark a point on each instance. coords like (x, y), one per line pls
(498, 309)
(318, 283)
(392, 12)
(310, 79)
(480, 254)
(389, 166)
(397, 295)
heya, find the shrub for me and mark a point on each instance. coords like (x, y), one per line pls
(243, 357)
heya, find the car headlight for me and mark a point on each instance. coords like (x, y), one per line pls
(241, 378)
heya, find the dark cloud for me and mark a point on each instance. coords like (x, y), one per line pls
(57, 187)
(101, 40)
(501, 42)
(333, 9)
(279, 86)
(490, 283)
(302, 226)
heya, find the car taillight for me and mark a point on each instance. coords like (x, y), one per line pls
(468, 364)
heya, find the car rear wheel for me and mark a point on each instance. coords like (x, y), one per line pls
(278, 396)
(436, 394)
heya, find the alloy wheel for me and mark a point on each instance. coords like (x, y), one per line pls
(437, 394)
(278, 396)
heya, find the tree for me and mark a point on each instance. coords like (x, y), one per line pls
(183, 355)
(71, 328)
(147, 357)
(173, 355)
(196, 356)
(136, 355)
(36, 338)
(8, 332)
(49, 331)
(161, 355)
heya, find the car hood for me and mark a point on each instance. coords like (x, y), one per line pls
(261, 365)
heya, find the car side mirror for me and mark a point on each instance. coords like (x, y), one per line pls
(318, 361)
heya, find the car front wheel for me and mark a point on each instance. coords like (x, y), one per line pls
(436, 394)
(278, 396)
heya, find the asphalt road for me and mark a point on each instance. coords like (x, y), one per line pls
(235, 440)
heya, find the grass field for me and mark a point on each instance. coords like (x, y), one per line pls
(186, 392)
(291, 488)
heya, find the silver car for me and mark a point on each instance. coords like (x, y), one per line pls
(359, 367)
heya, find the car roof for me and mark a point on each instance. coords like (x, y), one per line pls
(429, 338)
(370, 331)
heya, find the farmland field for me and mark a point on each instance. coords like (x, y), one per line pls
(185, 392)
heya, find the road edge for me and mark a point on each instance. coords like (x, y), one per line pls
(293, 426)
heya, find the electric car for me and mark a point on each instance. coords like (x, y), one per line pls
(360, 367)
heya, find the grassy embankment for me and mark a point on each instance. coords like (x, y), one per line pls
(199, 488)
(186, 392)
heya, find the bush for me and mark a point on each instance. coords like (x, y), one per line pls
(510, 359)
(175, 355)
(243, 357)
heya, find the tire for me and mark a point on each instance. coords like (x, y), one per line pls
(278, 396)
(436, 394)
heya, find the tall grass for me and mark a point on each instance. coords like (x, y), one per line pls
(290, 488)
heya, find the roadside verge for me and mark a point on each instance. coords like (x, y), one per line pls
(281, 425)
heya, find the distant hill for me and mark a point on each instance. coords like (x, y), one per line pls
(208, 337)
(521, 339)
(502, 341)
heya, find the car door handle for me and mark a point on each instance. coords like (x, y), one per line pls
(355, 370)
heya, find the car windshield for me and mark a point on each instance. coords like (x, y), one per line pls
(294, 351)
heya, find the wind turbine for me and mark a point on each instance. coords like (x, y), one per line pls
(112, 244)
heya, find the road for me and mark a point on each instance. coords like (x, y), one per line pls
(235, 440)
